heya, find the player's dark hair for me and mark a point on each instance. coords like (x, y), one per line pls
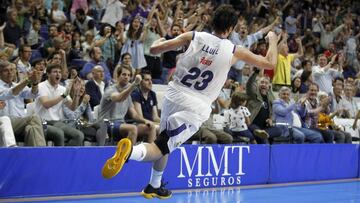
(224, 18)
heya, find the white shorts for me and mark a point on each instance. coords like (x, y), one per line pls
(181, 117)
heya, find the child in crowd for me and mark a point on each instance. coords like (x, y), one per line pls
(33, 38)
(237, 119)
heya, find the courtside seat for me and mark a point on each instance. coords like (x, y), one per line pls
(280, 140)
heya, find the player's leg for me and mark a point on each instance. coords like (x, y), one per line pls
(125, 151)
(175, 130)
(156, 187)
(179, 128)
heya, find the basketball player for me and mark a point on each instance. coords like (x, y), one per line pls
(200, 74)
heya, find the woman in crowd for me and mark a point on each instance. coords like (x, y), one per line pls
(82, 117)
(134, 44)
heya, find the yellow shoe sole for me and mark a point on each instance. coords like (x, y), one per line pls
(113, 165)
(152, 195)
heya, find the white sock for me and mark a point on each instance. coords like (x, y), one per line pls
(138, 153)
(155, 179)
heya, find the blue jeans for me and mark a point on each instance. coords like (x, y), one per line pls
(302, 134)
(244, 133)
(327, 135)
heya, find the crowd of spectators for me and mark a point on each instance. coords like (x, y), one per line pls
(68, 70)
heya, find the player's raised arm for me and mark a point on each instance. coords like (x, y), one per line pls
(267, 62)
(161, 45)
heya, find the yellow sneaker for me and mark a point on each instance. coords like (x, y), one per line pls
(116, 162)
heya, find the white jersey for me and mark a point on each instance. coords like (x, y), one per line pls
(202, 70)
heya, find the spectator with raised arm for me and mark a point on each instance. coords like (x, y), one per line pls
(52, 96)
(323, 73)
(282, 73)
(313, 108)
(116, 103)
(108, 45)
(114, 11)
(169, 57)
(153, 30)
(291, 23)
(286, 111)
(243, 38)
(328, 35)
(134, 44)
(27, 128)
(326, 121)
(81, 118)
(260, 98)
(347, 105)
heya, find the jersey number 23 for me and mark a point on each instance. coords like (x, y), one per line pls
(199, 80)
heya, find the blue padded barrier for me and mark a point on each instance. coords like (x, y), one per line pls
(30, 172)
(64, 171)
(306, 162)
(76, 170)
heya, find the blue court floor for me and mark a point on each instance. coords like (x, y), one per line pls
(344, 192)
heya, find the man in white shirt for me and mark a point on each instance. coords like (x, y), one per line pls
(27, 128)
(324, 74)
(49, 107)
(347, 105)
